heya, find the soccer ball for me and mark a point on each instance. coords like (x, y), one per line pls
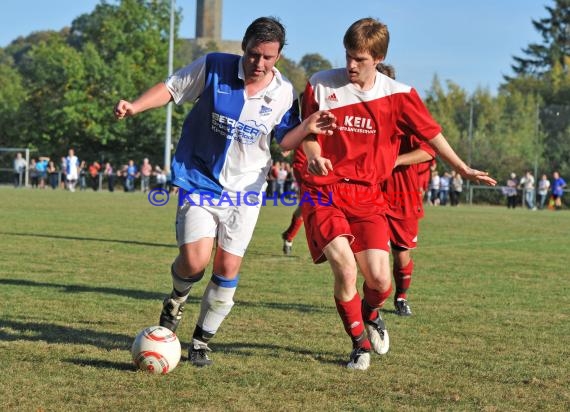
(156, 349)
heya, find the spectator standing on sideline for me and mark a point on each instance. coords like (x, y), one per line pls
(281, 178)
(434, 187)
(345, 171)
(72, 167)
(94, 169)
(34, 177)
(132, 174)
(19, 170)
(511, 191)
(160, 177)
(52, 174)
(83, 175)
(239, 102)
(527, 185)
(444, 183)
(63, 172)
(558, 185)
(146, 172)
(41, 168)
(456, 188)
(543, 188)
(110, 174)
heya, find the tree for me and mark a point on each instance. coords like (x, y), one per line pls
(293, 72)
(12, 96)
(72, 78)
(555, 46)
(545, 74)
(313, 63)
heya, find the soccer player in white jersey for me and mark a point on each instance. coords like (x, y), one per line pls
(220, 165)
(346, 223)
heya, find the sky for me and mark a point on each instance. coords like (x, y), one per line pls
(470, 42)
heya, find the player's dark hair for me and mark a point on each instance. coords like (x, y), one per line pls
(387, 69)
(264, 30)
(368, 35)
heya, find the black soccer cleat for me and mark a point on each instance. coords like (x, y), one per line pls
(171, 313)
(198, 354)
(402, 307)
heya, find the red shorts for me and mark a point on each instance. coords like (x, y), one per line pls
(344, 209)
(403, 232)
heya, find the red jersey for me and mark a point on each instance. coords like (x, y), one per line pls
(404, 190)
(364, 147)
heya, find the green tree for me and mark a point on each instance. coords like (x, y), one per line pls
(12, 96)
(545, 74)
(555, 46)
(313, 63)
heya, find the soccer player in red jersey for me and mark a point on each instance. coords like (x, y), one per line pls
(404, 192)
(343, 207)
(289, 234)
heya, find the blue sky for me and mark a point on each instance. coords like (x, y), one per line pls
(470, 42)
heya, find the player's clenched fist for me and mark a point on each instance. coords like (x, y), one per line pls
(124, 109)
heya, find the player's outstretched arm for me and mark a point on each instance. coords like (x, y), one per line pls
(414, 157)
(320, 122)
(440, 144)
(157, 96)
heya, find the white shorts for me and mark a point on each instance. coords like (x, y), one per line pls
(231, 225)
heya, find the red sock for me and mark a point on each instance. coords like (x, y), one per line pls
(403, 279)
(373, 300)
(351, 316)
(294, 226)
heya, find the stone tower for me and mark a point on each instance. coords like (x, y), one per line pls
(209, 19)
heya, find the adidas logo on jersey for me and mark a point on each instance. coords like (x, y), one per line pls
(332, 97)
(264, 111)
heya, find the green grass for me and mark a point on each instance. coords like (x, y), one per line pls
(82, 273)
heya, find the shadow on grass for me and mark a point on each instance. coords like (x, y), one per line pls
(144, 295)
(103, 364)
(91, 239)
(254, 349)
(51, 333)
(130, 293)
(297, 307)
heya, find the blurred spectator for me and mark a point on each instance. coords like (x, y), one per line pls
(94, 169)
(281, 178)
(82, 175)
(41, 168)
(19, 170)
(160, 177)
(558, 185)
(63, 172)
(110, 174)
(33, 173)
(527, 184)
(511, 191)
(456, 188)
(72, 167)
(53, 174)
(146, 172)
(444, 183)
(132, 174)
(434, 188)
(543, 188)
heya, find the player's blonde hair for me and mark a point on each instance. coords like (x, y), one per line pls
(368, 35)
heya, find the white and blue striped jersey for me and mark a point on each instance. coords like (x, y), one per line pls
(224, 146)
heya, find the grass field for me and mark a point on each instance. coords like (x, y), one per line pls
(81, 273)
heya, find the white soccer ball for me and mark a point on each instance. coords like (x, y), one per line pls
(156, 349)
